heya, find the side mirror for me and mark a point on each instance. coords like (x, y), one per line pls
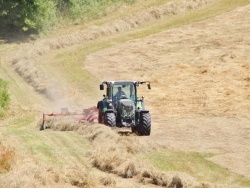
(149, 86)
(101, 87)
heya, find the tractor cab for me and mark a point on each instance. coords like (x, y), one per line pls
(117, 90)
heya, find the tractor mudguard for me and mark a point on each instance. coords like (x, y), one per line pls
(144, 111)
(139, 112)
(109, 111)
(102, 105)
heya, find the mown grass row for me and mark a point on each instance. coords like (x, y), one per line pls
(196, 164)
(214, 9)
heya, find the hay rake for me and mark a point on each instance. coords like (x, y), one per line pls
(86, 116)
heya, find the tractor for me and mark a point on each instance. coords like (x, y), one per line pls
(121, 107)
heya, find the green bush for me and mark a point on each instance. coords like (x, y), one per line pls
(4, 97)
(36, 16)
(26, 16)
(87, 9)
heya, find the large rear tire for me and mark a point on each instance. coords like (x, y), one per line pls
(110, 119)
(144, 128)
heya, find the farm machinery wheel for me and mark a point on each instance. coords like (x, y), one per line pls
(144, 128)
(110, 119)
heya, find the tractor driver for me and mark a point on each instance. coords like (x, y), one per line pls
(119, 93)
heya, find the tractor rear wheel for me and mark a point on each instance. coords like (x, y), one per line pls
(99, 116)
(110, 119)
(144, 128)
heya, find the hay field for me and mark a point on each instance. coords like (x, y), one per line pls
(200, 71)
(196, 57)
(200, 76)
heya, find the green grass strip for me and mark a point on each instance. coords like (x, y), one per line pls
(195, 164)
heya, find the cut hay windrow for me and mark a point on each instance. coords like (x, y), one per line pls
(116, 154)
(34, 175)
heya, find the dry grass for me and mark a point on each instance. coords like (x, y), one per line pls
(59, 124)
(114, 154)
(42, 82)
(6, 159)
(196, 69)
(191, 69)
(35, 175)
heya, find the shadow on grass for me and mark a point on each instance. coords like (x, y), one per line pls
(16, 37)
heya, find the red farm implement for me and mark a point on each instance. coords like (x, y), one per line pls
(85, 116)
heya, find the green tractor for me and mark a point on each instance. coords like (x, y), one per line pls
(122, 108)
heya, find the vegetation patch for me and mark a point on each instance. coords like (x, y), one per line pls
(38, 16)
(50, 147)
(26, 16)
(6, 159)
(195, 164)
(4, 97)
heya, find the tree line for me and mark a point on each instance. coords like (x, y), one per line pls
(36, 16)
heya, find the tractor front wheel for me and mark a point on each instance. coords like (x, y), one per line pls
(144, 128)
(110, 119)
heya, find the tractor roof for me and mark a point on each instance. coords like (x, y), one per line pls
(120, 81)
(125, 81)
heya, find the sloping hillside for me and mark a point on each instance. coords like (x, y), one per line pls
(194, 52)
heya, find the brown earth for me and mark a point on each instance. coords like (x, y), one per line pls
(200, 97)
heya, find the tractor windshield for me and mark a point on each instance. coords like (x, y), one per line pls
(123, 90)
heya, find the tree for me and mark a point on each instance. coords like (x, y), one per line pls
(31, 16)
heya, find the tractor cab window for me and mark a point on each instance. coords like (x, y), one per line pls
(123, 91)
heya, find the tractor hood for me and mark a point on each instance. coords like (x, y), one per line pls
(127, 104)
(126, 109)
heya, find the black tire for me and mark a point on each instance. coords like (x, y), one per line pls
(133, 129)
(144, 128)
(110, 119)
